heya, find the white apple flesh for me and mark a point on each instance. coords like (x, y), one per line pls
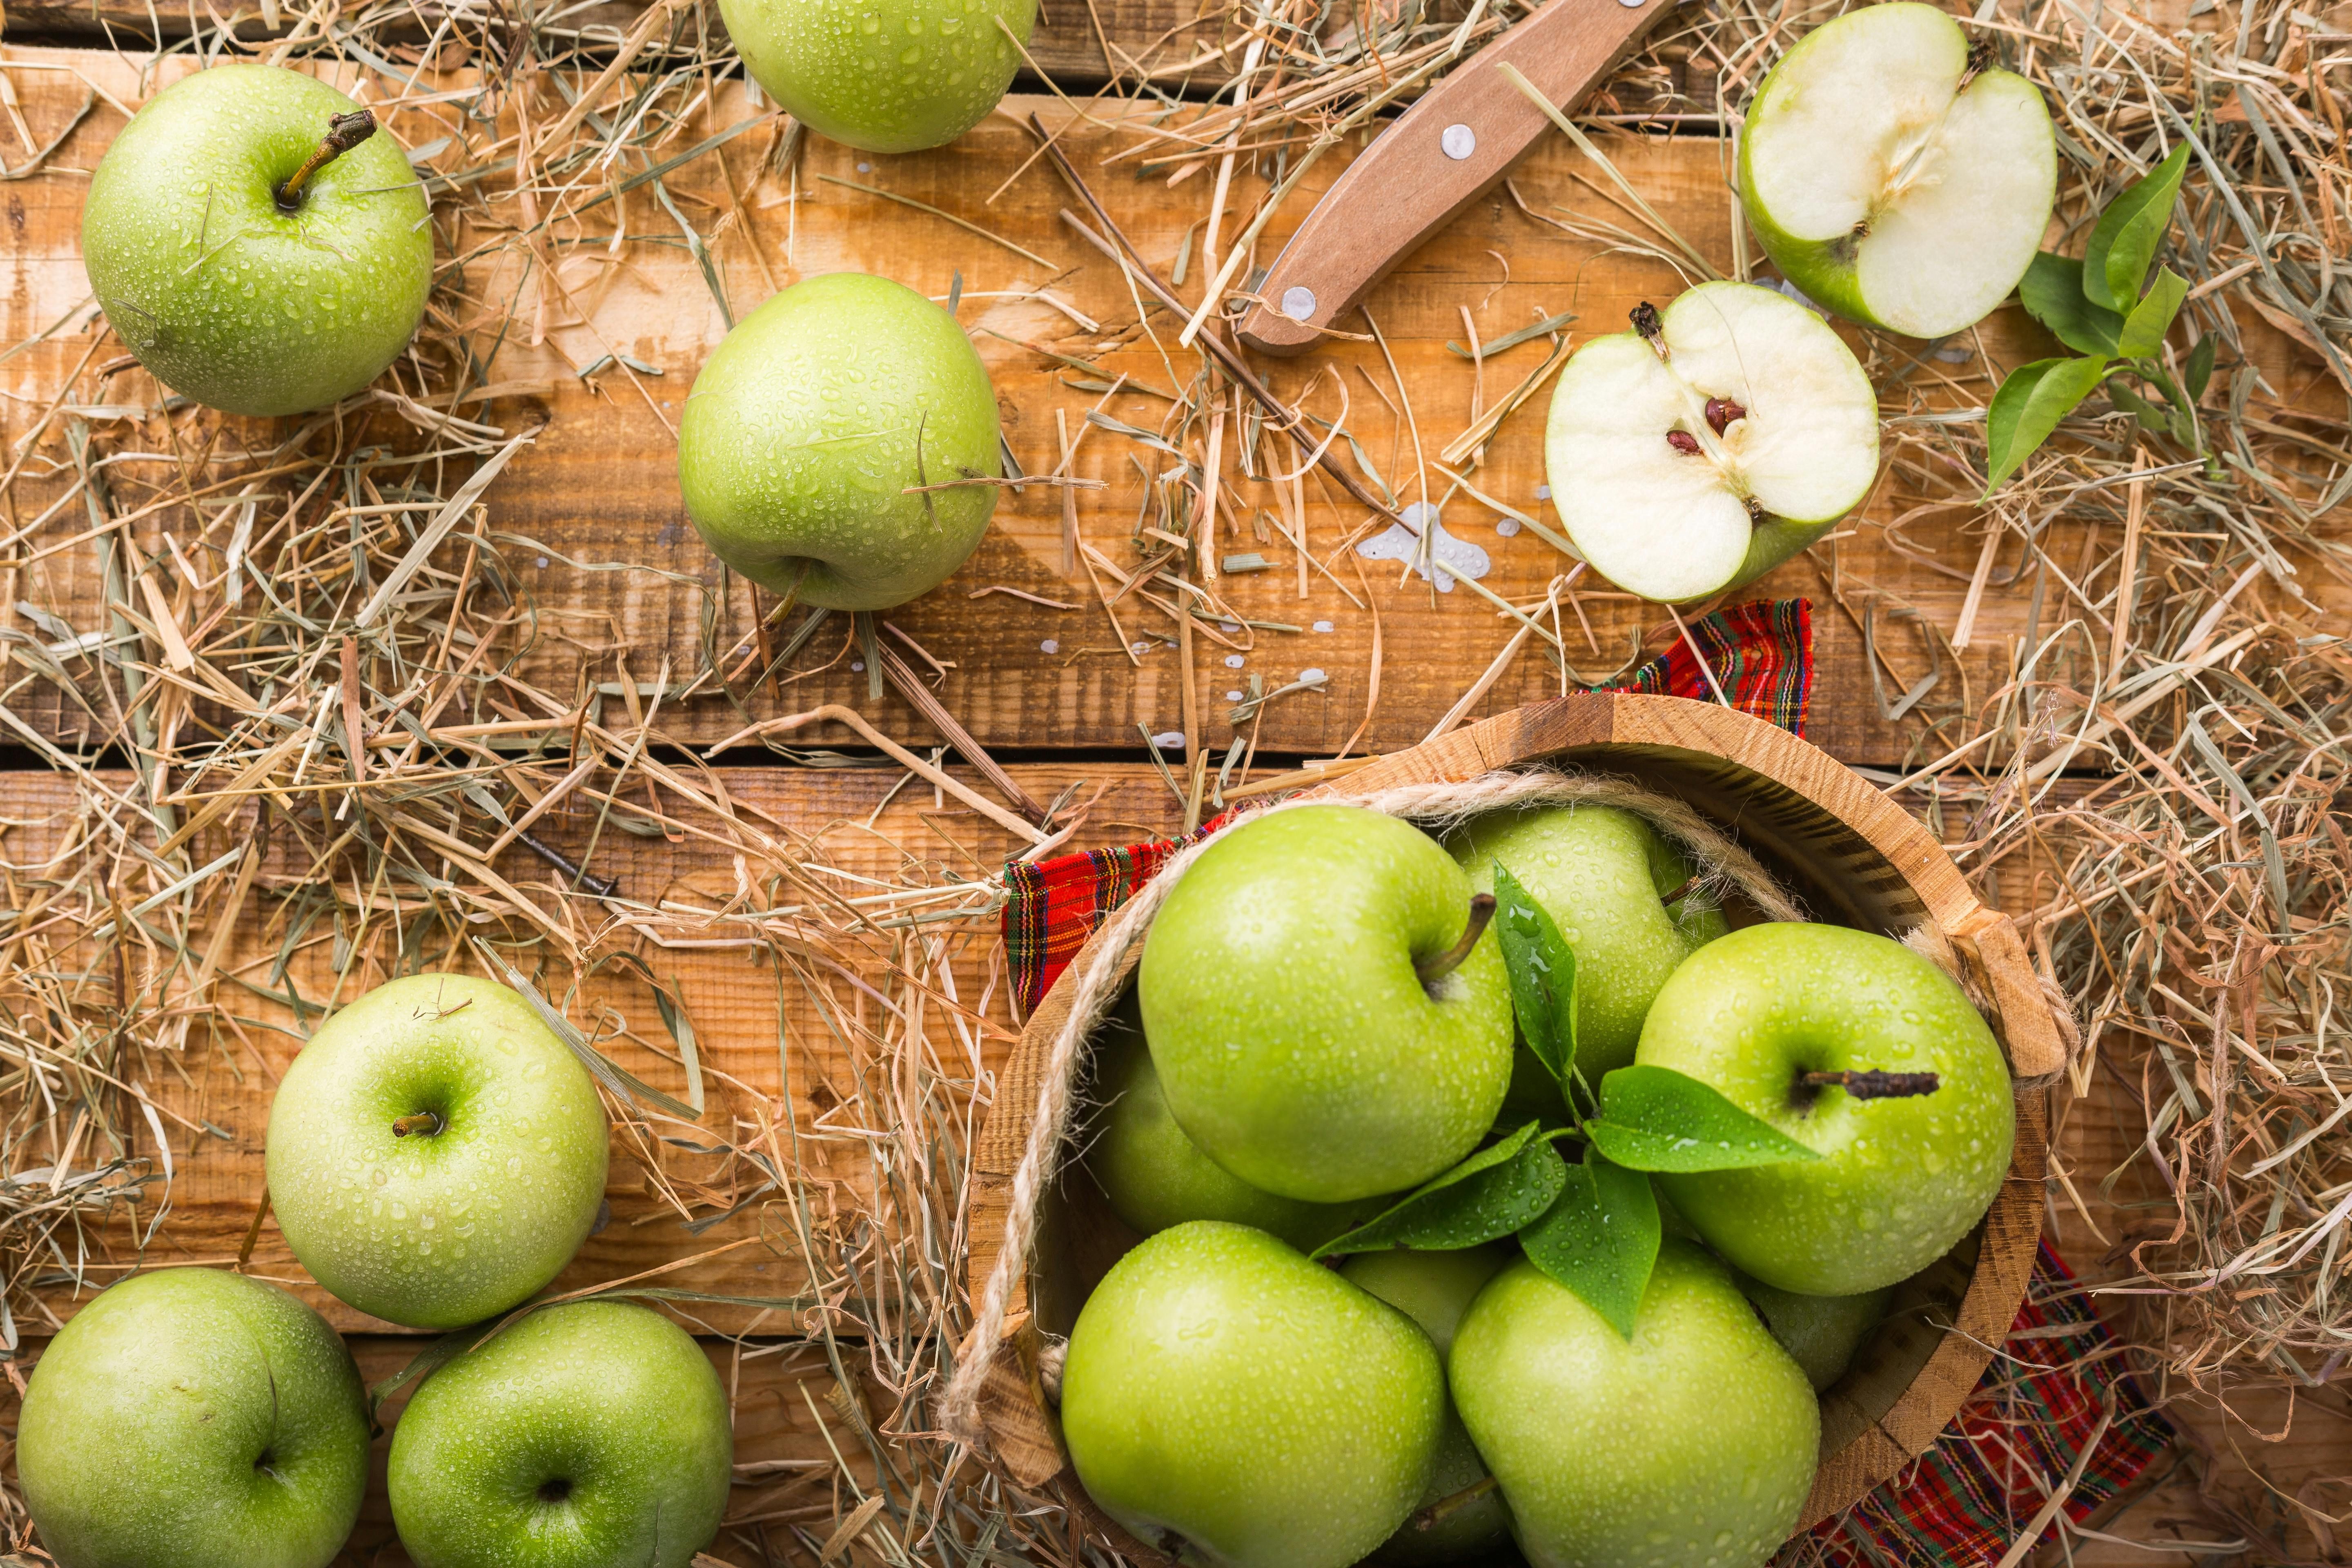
(1720, 436)
(1894, 178)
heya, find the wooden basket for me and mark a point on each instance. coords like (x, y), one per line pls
(1851, 854)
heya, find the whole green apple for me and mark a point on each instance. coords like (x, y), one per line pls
(810, 435)
(1225, 1398)
(435, 1153)
(1155, 1177)
(1895, 177)
(1899, 1180)
(1434, 1290)
(1691, 1445)
(1601, 875)
(590, 1435)
(888, 76)
(192, 1418)
(1821, 1332)
(1318, 1028)
(235, 290)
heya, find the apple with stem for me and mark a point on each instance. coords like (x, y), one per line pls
(1720, 437)
(583, 1435)
(1232, 1404)
(1326, 1005)
(435, 1153)
(887, 76)
(193, 1418)
(840, 446)
(1857, 1047)
(256, 241)
(1895, 174)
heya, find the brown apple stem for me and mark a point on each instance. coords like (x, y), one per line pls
(344, 131)
(1438, 965)
(1453, 1502)
(422, 1123)
(1683, 890)
(1867, 1083)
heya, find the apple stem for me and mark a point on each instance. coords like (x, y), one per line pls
(1438, 965)
(1683, 890)
(423, 1123)
(1453, 1502)
(344, 131)
(1868, 1083)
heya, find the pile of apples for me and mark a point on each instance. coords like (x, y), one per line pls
(436, 1155)
(1496, 1191)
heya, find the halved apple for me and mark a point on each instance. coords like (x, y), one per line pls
(1711, 443)
(1892, 177)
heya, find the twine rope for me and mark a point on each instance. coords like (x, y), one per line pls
(1095, 984)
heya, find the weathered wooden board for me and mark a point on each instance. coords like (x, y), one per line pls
(599, 485)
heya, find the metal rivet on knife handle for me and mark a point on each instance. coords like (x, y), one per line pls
(1459, 141)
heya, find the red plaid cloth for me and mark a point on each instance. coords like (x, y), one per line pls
(1759, 653)
(1960, 1504)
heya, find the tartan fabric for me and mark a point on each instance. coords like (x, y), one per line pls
(1760, 652)
(1963, 1502)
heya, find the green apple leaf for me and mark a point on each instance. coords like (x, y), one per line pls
(1600, 1238)
(2153, 417)
(2200, 373)
(2052, 292)
(1492, 1194)
(2028, 407)
(2144, 329)
(1542, 968)
(2130, 232)
(1655, 1118)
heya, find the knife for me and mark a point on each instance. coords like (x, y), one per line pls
(1441, 154)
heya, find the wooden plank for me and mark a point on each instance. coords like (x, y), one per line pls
(598, 486)
(820, 1052)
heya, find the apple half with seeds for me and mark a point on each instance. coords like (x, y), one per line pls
(1714, 441)
(1894, 176)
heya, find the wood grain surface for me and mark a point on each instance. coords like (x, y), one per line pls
(597, 489)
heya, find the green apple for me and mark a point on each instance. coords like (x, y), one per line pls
(1318, 1024)
(1899, 1180)
(435, 1153)
(192, 1418)
(1713, 442)
(1821, 1332)
(888, 76)
(1155, 1176)
(811, 434)
(1225, 1399)
(588, 1435)
(237, 283)
(1691, 1445)
(1601, 875)
(1894, 177)
(1434, 1290)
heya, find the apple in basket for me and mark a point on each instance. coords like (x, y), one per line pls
(1714, 440)
(1893, 175)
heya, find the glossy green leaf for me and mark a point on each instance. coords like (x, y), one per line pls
(2154, 418)
(2028, 407)
(2129, 234)
(1655, 1118)
(1600, 1238)
(1542, 968)
(2144, 329)
(1492, 1194)
(2052, 292)
(2201, 367)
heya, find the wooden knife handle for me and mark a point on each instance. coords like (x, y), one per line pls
(1441, 155)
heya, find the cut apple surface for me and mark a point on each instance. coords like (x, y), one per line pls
(1894, 178)
(1714, 441)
